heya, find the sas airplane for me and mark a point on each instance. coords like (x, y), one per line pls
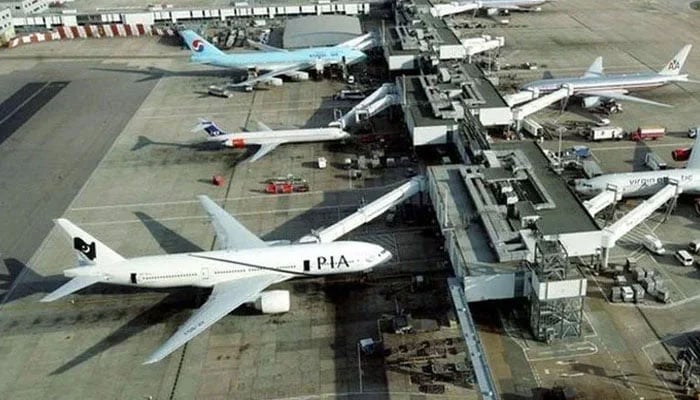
(239, 271)
(595, 87)
(636, 184)
(266, 138)
(277, 62)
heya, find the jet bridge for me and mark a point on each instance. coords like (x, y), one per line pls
(523, 111)
(382, 98)
(609, 196)
(621, 227)
(367, 213)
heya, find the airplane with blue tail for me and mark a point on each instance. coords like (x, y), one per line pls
(266, 138)
(275, 61)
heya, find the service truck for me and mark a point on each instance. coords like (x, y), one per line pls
(605, 133)
(648, 133)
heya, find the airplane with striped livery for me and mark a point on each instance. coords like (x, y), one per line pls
(595, 87)
(239, 270)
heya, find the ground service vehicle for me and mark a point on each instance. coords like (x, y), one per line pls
(681, 154)
(606, 133)
(653, 244)
(694, 246)
(648, 133)
(684, 257)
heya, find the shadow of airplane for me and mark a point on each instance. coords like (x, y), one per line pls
(203, 145)
(12, 268)
(169, 240)
(164, 310)
(152, 73)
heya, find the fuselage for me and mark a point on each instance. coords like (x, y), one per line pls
(286, 135)
(281, 59)
(635, 184)
(206, 269)
(619, 82)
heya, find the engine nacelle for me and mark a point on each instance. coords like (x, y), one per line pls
(236, 143)
(591, 101)
(274, 82)
(299, 76)
(273, 302)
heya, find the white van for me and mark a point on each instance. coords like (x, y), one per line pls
(684, 257)
(653, 244)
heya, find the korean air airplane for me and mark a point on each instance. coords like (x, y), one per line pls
(275, 61)
(238, 271)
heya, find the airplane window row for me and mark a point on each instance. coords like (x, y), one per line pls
(147, 277)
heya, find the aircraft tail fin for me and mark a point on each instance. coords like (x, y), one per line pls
(200, 47)
(73, 285)
(209, 127)
(88, 250)
(676, 64)
(694, 159)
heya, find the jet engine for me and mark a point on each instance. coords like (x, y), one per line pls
(273, 302)
(298, 76)
(236, 143)
(274, 81)
(591, 101)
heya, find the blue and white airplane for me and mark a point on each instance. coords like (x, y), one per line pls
(276, 61)
(266, 138)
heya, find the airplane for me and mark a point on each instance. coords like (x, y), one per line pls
(266, 138)
(491, 6)
(277, 62)
(646, 183)
(239, 270)
(596, 87)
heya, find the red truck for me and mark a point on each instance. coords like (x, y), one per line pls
(648, 133)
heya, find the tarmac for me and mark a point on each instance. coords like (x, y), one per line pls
(138, 197)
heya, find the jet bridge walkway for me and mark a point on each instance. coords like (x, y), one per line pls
(387, 95)
(598, 203)
(527, 109)
(367, 213)
(621, 227)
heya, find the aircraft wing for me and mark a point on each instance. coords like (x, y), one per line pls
(595, 70)
(265, 47)
(226, 297)
(264, 149)
(271, 74)
(230, 234)
(626, 97)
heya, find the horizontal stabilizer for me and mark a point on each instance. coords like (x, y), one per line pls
(72, 286)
